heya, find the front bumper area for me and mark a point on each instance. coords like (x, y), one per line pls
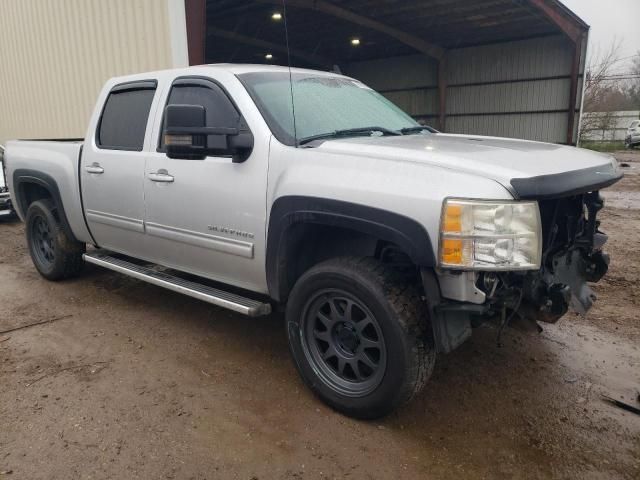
(572, 256)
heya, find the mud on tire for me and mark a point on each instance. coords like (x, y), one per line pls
(54, 254)
(360, 336)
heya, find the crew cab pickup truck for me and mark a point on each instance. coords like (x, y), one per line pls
(384, 241)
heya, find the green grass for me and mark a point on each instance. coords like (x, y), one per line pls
(603, 146)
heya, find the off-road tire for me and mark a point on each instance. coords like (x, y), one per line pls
(63, 256)
(403, 321)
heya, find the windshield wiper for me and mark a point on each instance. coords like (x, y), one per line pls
(417, 129)
(348, 132)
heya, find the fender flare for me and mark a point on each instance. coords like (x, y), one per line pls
(22, 177)
(288, 211)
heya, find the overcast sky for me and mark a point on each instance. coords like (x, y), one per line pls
(610, 20)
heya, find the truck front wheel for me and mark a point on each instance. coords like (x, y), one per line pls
(54, 254)
(360, 336)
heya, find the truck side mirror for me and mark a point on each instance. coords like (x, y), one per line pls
(186, 135)
(183, 136)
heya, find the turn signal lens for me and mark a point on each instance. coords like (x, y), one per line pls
(452, 218)
(452, 251)
(186, 140)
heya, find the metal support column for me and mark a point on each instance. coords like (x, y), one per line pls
(196, 18)
(573, 90)
(442, 93)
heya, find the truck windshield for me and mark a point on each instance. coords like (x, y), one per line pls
(324, 104)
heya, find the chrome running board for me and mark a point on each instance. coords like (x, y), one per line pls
(220, 298)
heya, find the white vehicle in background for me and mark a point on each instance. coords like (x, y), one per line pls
(633, 135)
(5, 199)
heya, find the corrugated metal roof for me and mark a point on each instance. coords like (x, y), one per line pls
(326, 34)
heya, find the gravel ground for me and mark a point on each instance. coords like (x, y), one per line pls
(130, 381)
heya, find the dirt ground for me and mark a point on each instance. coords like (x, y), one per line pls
(130, 381)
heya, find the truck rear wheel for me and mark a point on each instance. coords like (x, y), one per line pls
(360, 336)
(54, 254)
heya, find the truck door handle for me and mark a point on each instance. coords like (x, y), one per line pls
(94, 168)
(161, 176)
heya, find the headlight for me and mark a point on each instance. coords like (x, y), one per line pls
(490, 235)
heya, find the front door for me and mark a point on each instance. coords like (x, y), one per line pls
(207, 217)
(112, 169)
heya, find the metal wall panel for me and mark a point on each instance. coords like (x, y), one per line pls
(538, 57)
(56, 55)
(534, 81)
(486, 86)
(418, 103)
(509, 97)
(544, 127)
(410, 82)
(396, 73)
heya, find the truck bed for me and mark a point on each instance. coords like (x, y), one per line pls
(49, 159)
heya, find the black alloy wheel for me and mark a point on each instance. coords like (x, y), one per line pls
(55, 253)
(42, 244)
(344, 343)
(360, 335)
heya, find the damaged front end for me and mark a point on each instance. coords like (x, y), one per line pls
(572, 256)
(529, 260)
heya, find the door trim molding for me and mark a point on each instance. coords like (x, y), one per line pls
(118, 221)
(202, 240)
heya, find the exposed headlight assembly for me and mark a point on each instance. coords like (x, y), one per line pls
(490, 235)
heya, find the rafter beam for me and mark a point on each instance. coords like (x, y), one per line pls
(268, 46)
(328, 8)
(569, 28)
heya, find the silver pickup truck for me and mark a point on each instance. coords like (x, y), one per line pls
(256, 187)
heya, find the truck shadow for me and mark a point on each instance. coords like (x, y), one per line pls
(520, 403)
(477, 381)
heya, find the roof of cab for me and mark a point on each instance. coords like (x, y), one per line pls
(233, 68)
(239, 68)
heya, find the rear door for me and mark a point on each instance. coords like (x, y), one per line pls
(112, 168)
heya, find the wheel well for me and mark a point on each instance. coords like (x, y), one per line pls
(31, 192)
(309, 244)
(306, 230)
(32, 189)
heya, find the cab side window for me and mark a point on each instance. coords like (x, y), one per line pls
(219, 109)
(124, 117)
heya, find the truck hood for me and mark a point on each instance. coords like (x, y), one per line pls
(527, 169)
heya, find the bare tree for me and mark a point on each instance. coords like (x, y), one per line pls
(599, 91)
(634, 84)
